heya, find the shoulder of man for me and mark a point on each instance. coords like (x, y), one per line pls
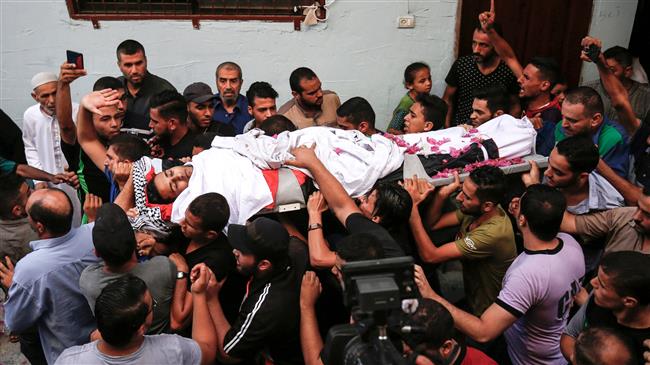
(608, 138)
(287, 106)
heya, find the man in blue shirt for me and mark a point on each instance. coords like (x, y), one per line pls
(230, 107)
(45, 286)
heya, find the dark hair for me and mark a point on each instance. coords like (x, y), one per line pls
(53, 221)
(360, 247)
(120, 309)
(543, 207)
(107, 82)
(548, 69)
(115, 251)
(620, 55)
(299, 74)
(393, 205)
(434, 108)
(490, 182)
(231, 65)
(436, 323)
(129, 47)
(496, 96)
(277, 124)
(204, 140)
(412, 69)
(496, 26)
(594, 342)
(580, 152)
(213, 210)
(9, 192)
(170, 104)
(153, 196)
(129, 147)
(629, 272)
(262, 90)
(586, 96)
(357, 110)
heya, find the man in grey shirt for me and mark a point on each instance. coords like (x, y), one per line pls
(115, 242)
(124, 312)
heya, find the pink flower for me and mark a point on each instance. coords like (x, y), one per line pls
(338, 151)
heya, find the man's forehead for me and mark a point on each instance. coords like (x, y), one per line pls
(228, 73)
(310, 84)
(46, 88)
(480, 36)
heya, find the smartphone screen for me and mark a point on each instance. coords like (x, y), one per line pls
(76, 58)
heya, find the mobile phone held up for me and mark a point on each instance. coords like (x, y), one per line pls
(76, 58)
(593, 51)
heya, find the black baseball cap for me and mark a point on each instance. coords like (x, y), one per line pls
(198, 92)
(263, 237)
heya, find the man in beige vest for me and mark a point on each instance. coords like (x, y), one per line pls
(311, 105)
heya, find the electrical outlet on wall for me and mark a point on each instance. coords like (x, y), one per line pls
(406, 21)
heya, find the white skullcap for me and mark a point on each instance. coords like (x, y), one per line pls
(43, 78)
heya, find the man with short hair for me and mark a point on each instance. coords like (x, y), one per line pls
(533, 304)
(604, 346)
(115, 244)
(267, 326)
(261, 103)
(139, 84)
(485, 241)
(174, 139)
(619, 61)
(357, 114)
(310, 105)
(426, 114)
(124, 314)
(482, 68)
(489, 102)
(45, 287)
(200, 106)
(15, 232)
(620, 300)
(230, 107)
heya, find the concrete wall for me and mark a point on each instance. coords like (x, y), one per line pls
(358, 51)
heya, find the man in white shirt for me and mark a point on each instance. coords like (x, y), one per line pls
(42, 135)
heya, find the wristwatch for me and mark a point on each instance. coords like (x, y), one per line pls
(181, 275)
(314, 226)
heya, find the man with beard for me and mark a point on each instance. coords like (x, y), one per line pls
(311, 105)
(485, 241)
(480, 69)
(200, 106)
(139, 84)
(267, 328)
(173, 139)
(489, 102)
(231, 107)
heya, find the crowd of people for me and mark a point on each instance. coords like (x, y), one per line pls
(555, 262)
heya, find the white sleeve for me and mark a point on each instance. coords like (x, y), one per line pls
(29, 140)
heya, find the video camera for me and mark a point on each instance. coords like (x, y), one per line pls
(374, 290)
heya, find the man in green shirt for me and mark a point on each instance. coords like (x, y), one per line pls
(485, 243)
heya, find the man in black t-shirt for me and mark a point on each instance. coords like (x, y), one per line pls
(620, 300)
(174, 139)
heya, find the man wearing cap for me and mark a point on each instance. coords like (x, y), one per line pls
(267, 328)
(200, 107)
(44, 290)
(230, 106)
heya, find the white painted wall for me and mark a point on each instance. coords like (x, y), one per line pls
(358, 51)
(612, 23)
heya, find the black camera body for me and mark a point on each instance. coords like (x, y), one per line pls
(374, 290)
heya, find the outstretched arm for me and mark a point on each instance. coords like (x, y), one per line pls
(337, 198)
(501, 47)
(86, 132)
(64, 102)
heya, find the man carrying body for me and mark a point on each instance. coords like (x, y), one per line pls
(15, 232)
(426, 114)
(489, 102)
(45, 286)
(230, 107)
(533, 304)
(174, 139)
(485, 242)
(356, 113)
(261, 103)
(482, 68)
(310, 105)
(140, 86)
(267, 326)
